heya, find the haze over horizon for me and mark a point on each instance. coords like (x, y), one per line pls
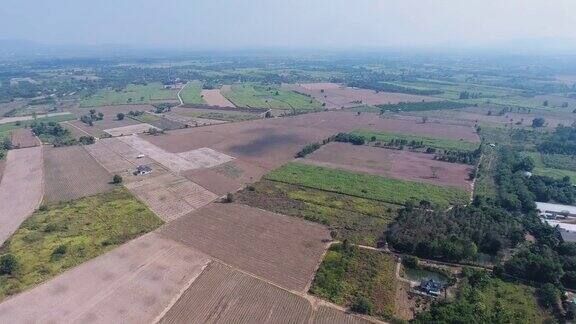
(225, 24)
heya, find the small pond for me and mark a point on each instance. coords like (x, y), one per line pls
(421, 274)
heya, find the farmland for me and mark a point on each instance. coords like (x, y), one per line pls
(348, 276)
(257, 96)
(132, 94)
(191, 93)
(214, 97)
(438, 143)
(61, 236)
(555, 166)
(366, 186)
(71, 173)
(359, 220)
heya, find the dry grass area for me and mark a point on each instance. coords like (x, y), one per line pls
(281, 249)
(130, 129)
(133, 283)
(23, 137)
(224, 295)
(21, 188)
(71, 173)
(397, 164)
(336, 96)
(171, 196)
(213, 97)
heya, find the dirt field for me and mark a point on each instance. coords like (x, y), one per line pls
(72, 173)
(215, 98)
(167, 124)
(23, 137)
(130, 129)
(336, 96)
(281, 249)
(213, 181)
(329, 315)
(131, 284)
(171, 196)
(404, 165)
(21, 188)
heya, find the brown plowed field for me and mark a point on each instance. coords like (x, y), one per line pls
(335, 96)
(397, 164)
(133, 283)
(71, 173)
(213, 97)
(23, 137)
(329, 315)
(224, 295)
(213, 181)
(281, 249)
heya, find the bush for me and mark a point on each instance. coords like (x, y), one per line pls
(59, 251)
(362, 305)
(308, 149)
(410, 262)
(8, 264)
(538, 122)
(117, 179)
(229, 198)
(120, 116)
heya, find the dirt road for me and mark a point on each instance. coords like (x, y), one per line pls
(21, 189)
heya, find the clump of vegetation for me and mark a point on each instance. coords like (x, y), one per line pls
(163, 107)
(8, 264)
(350, 138)
(422, 106)
(229, 198)
(308, 149)
(538, 122)
(92, 117)
(117, 179)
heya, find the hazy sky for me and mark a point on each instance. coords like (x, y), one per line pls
(287, 23)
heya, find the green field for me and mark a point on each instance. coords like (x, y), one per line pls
(132, 94)
(146, 118)
(359, 220)
(438, 143)
(367, 186)
(192, 93)
(541, 169)
(348, 274)
(68, 234)
(559, 161)
(259, 96)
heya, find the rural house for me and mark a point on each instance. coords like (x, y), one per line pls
(142, 170)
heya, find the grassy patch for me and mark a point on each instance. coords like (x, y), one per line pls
(348, 274)
(228, 117)
(540, 168)
(423, 106)
(359, 220)
(559, 161)
(438, 143)
(68, 234)
(367, 186)
(146, 118)
(192, 93)
(259, 96)
(132, 94)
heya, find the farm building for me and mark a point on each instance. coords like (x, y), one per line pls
(431, 286)
(142, 170)
(553, 211)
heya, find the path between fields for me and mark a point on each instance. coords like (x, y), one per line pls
(178, 94)
(21, 189)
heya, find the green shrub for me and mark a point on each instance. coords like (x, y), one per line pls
(8, 264)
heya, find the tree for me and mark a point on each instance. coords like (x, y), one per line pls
(120, 116)
(7, 143)
(117, 179)
(545, 103)
(8, 264)
(268, 114)
(538, 122)
(229, 198)
(362, 305)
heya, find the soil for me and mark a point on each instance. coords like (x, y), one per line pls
(215, 98)
(23, 137)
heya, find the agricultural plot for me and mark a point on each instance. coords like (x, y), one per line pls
(437, 143)
(171, 196)
(359, 220)
(52, 117)
(213, 114)
(335, 96)
(20, 189)
(130, 129)
(367, 186)
(257, 96)
(213, 181)
(349, 276)
(71, 173)
(552, 166)
(134, 283)
(281, 249)
(64, 235)
(132, 94)
(329, 315)
(24, 137)
(397, 164)
(167, 124)
(192, 93)
(214, 97)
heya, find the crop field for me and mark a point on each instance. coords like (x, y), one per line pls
(132, 94)
(348, 274)
(71, 173)
(214, 114)
(559, 161)
(359, 220)
(438, 143)
(24, 137)
(281, 249)
(20, 189)
(366, 186)
(167, 124)
(171, 196)
(329, 315)
(397, 164)
(214, 97)
(67, 234)
(335, 96)
(257, 96)
(130, 129)
(107, 289)
(191, 93)
(540, 167)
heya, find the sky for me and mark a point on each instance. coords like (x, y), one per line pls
(228, 24)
